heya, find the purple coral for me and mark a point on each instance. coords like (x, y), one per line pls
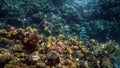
(9, 27)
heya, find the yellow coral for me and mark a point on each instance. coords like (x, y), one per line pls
(80, 54)
(65, 42)
(9, 66)
(36, 52)
(25, 40)
(24, 66)
(60, 43)
(61, 36)
(1, 56)
(83, 49)
(74, 41)
(53, 43)
(86, 64)
(69, 51)
(39, 64)
(49, 45)
(51, 38)
(12, 33)
(3, 31)
(73, 66)
(43, 57)
(47, 66)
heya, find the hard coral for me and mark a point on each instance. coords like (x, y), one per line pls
(31, 41)
(33, 38)
(68, 62)
(57, 49)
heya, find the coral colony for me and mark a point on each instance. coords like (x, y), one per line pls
(29, 49)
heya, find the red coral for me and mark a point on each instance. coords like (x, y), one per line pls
(68, 62)
(33, 39)
(57, 49)
(75, 47)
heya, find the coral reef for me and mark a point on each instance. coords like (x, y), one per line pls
(27, 48)
(59, 33)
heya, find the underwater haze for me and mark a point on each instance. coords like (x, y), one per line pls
(59, 33)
